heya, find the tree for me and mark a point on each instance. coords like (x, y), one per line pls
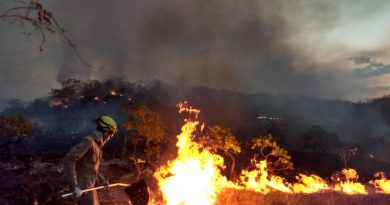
(318, 139)
(14, 130)
(37, 20)
(149, 129)
(346, 154)
(220, 138)
(73, 92)
(70, 90)
(267, 149)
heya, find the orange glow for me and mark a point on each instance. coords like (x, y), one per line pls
(113, 93)
(56, 102)
(185, 107)
(382, 184)
(194, 177)
(349, 185)
(310, 184)
(259, 180)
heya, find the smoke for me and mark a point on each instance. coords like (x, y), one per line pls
(361, 59)
(240, 45)
(248, 46)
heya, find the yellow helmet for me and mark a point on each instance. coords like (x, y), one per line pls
(106, 122)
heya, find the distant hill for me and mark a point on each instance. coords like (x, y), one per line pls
(71, 109)
(3, 103)
(8, 102)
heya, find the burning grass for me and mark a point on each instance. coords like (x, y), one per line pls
(246, 197)
(194, 177)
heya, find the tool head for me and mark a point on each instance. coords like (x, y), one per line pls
(138, 193)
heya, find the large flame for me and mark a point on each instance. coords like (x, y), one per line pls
(194, 177)
(349, 185)
(259, 180)
(382, 184)
(310, 184)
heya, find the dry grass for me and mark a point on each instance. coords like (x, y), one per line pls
(243, 197)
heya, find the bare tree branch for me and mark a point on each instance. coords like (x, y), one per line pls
(42, 22)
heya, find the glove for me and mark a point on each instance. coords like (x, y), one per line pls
(106, 184)
(77, 192)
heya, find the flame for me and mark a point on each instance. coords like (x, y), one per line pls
(382, 184)
(259, 180)
(54, 102)
(194, 177)
(185, 107)
(310, 184)
(113, 93)
(349, 185)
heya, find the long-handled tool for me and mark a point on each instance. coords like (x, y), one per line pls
(97, 188)
(137, 192)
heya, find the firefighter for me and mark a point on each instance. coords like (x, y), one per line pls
(82, 163)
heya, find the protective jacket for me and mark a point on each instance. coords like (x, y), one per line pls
(81, 166)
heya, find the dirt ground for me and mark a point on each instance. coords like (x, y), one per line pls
(42, 182)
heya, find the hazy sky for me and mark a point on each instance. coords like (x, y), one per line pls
(329, 49)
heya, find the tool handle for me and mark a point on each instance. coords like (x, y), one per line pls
(96, 188)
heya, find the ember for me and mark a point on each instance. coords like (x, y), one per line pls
(113, 93)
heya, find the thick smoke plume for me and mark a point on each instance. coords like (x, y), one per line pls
(249, 46)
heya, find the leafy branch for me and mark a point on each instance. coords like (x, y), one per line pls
(267, 149)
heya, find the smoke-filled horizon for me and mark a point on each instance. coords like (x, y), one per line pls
(324, 49)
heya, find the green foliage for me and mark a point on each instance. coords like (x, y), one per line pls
(220, 138)
(150, 130)
(277, 158)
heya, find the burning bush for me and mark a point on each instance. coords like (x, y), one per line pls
(276, 157)
(220, 138)
(194, 177)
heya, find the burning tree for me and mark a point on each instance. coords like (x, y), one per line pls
(70, 90)
(79, 95)
(220, 138)
(267, 149)
(14, 130)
